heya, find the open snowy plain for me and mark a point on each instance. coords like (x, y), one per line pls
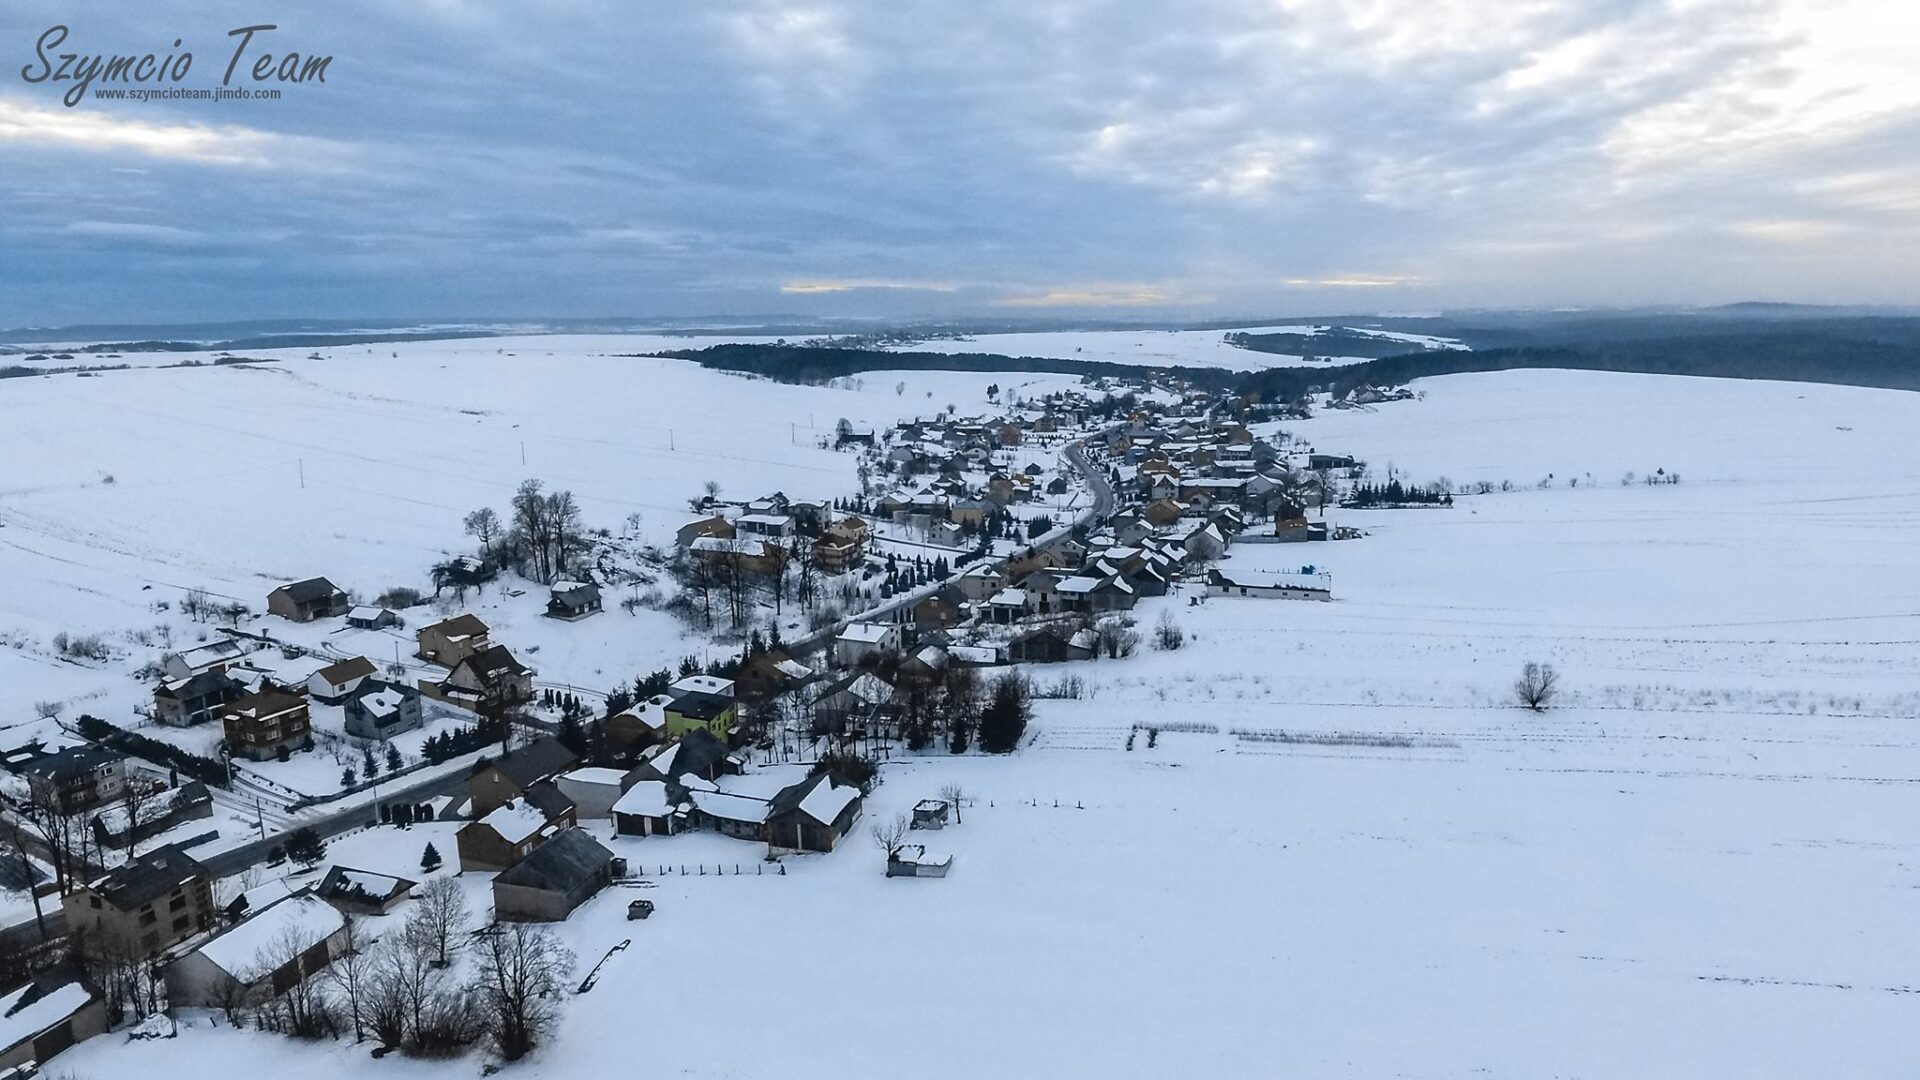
(1358, 858)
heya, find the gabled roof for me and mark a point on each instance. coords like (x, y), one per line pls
(73, 761)
(345, 671)
(147, 878)
(536, 761)
(817, 797)
(346, 883)
(563, 864)
(493, 662)
(303, 592)
(460, 626)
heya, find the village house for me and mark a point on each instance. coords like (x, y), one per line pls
(573, 601)
(508, 833)
(266, 723)
(711, 712)
(1051, 645)
(742, 817)
(261, 958)
(841, 546)
(1095, 595)
(696, 756)
(636, 727)
(305, 601)
(452, 640)
(195, 699)
(648, 809)
(773, 527)
(377, 710)
(362, 892)
(44, 1016)
(860, 700)
(861, 640)
(767, 675)
(549, 884)
(490, 681)
(812, 815)
(712, 525)
(594, 790)
(76, 778)
(148, 903)
(217, 655)
(980, 581)
(331, 684)
(500, 782)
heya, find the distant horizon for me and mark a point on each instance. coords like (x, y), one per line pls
(748, 322)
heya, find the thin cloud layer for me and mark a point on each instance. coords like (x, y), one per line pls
(475, 158)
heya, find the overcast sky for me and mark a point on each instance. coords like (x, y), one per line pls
(1016, 158)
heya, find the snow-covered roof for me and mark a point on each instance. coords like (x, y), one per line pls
(793, 669)
(917, 855)
(703, 684)
(383, 702)
(21, 1019)
(870, 633)
(825, 802)
(595, 775)
(731, 807)
(297, 923)
(516, 821)
(1009, 597)
(974, 654)
(648, 798)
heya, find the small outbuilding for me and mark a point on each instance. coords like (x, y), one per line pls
(547, 885)
(913, 860)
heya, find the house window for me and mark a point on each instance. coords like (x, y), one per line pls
(148, 918)
(176, 903)
(94, 901)
(180, 923)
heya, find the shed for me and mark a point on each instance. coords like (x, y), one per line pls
(547, 885)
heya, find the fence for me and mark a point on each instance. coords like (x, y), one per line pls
(638, 870)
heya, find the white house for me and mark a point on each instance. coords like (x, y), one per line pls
(213, 656)
(863, 639)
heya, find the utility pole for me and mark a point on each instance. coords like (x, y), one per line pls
(523, 451)
(303, 471)
(669, 438)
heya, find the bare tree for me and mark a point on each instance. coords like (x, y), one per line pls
(438, 918)
(140, 803)
(65, 835)
(891, 836)
(1537, 686)
(351, 975)
(47, 710)
(484, 525)
(1167, 635)
(297, 1006)
(522, 968)
(955, 796)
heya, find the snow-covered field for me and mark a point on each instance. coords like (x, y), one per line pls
(1703, 863)
(126, 488)
(1158, 348)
